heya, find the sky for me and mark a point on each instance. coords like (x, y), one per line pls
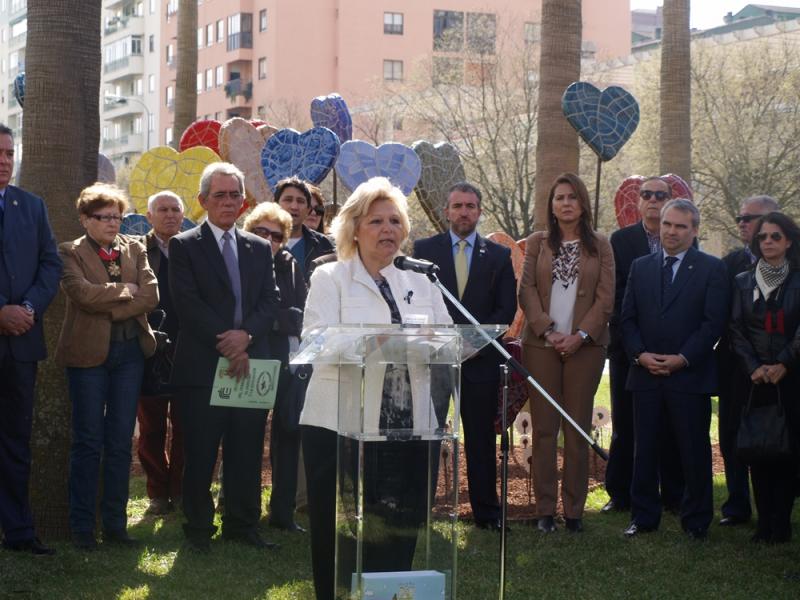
(709, 13)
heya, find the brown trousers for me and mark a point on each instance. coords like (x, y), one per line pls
(572, 384)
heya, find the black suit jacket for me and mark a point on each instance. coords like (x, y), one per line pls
(628, 244)
(30, 268)
(205, 304)
(316, 245)
(689, 321)
(490, 295)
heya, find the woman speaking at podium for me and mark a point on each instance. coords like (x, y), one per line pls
(365, 287)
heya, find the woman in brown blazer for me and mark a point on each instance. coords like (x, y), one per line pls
(567, 295)
(104, 340)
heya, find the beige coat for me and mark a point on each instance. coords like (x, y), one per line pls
(94, 302)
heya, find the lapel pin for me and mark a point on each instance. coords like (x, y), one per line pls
(14, 202)
(247, 245)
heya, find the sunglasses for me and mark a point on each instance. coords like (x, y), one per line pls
(318, 210)
(106, 218)
(746, 218)
(775, 236)
(659, 195)
(277, 236)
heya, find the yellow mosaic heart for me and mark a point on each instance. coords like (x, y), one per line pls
(164, 168)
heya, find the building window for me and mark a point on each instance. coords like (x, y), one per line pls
(170, 54)
(210, 34)
(168, 136)
(199, 37)
(151, 83)
(261, 112)
(393, 23)
(170, 95)
(397, 124)
(105, 133)
(217, 116)
(209, 78)
(393, 70)
(262, 19)
(138, 86)
(448, 30)
(151, 122)
(137, 125)
(262, 67)
(152, 5)
(240, 31)
(220, 76)
(199, 82)
(136, 45)
(481, 32)
(151, 43)
(220, 31)
(533, 33)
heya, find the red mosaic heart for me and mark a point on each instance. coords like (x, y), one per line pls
(201, 133)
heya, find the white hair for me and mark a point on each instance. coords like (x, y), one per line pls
(151, 201)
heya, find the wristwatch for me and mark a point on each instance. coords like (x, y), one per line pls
(29, 308)
(636, 359)
(587, 339)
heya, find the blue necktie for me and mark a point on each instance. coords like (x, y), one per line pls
(232, 266)
(666, 275)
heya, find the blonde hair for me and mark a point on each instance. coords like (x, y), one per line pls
(346, 222)
(99, 195)
(270, 211)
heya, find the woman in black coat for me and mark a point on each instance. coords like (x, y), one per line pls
(274, 224)
(765, 334)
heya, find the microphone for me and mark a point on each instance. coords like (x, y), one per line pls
(404, 263)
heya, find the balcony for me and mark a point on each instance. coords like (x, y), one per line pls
(242, 40)
(133, 143)
(112, 4)
(14, 71)
(126, 66)
(114, 110)
(128, 25)
(17, 41)
(239, 91)
(17, 9)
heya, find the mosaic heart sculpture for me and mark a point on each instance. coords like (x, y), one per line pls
(240, 143)
(517, 259)
(441, 168)
(136, 224)
(626, 198)
(605, 120)
(309, 155)
(257, 123)
(19, 88)
(106, 172)
(331, 111)
(163, 168)
(360, 161)
(201, 133)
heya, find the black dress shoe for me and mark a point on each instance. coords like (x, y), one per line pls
(698, 535)
(614, 506)
(633, 530)
(573, 525)
(120, 538)
(546, 524)
(491, 525)
(252, 539)
(84, 540)
(290, 527)
(732, 521)
(33, 546)
(197, 545)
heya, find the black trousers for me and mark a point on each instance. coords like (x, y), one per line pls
(395, 502)
(284, 456)
(478, 409)
(690, 417)
(241, 432)
(17, 380)
(774, 486)
(619, 469)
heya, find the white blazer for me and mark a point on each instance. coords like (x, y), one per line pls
(343, 292)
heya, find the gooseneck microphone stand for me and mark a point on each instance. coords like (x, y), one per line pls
(430, 270)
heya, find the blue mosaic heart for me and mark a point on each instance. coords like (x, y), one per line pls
(605, 120)
(360, 161)
(331, 111)
(309, 155)
(19, 88)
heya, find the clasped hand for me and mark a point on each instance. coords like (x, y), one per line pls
(565, 345)
(15, 320)
(233, 345)
(768, 373)
(661, 364)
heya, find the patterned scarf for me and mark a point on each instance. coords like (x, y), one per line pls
(769, 278)
(565, 264)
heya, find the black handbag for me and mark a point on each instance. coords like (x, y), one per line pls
(158, 368)
(763, 430)
(290, 405)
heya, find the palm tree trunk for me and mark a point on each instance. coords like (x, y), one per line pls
(676, 97)
(186, 69)
(62, 76)
(559, 66)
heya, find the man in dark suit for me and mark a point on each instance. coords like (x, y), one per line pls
(479, 273)
(29, 274)
(294, 196)
(736, 509)
(158, 410)
(629, 243)
(673, 313)
(223, 288)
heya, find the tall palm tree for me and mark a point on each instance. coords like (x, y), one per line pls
(676, 97)
(59, 159)
(186, 69)
(559, 65)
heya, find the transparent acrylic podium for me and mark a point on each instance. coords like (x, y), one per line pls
(397, 398)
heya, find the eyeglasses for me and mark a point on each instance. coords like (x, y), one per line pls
(659, 195)
(775, 236)
(746, 218)
(318, 210)
(106, 218)
(277, 236)
(231, 195)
